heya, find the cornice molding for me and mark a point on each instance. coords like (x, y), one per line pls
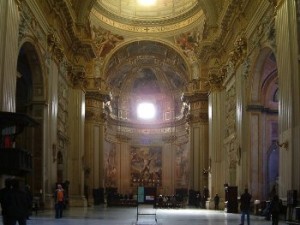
(80, 45)
(215, 44)
(55, 47)
(148, 22)
(261, 108)
(194, 97)
(95, 95)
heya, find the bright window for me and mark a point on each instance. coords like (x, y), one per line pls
(146, 111)
(147, 2)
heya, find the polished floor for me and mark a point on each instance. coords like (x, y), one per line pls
(101, 215)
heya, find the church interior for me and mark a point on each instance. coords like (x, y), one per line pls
(175, 95)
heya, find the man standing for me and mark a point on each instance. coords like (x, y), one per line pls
(216, 201)
(3, 194)
(245, 206)
(16, 204)
(59, 201)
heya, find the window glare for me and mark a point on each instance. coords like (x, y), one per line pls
(146, 111)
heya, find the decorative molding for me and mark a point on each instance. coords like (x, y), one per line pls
(80, 43)
(30, 26)
(148, 27)
(284, 144)
(55, 47)
(261, 108)
(216, 42)
(169, 139)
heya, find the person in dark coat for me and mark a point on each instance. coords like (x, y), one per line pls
(275, 208)
(17, 204)
(245, 206)
(216, 201)
(3, 194)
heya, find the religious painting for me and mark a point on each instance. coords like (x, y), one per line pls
(110, 165)
(182, 168)
(146, 166)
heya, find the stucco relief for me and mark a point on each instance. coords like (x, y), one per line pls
(233, 154)
(29, 26)
(265, 31)
(182, 168)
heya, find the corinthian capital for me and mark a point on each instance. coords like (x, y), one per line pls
(77, 76)
(215, 79)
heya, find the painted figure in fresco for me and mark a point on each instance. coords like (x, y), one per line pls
(105, 41)
(110, 168)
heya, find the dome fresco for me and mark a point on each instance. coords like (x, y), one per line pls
(160, 10)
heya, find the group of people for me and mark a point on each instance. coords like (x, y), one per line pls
(274, 208)
(15, 202)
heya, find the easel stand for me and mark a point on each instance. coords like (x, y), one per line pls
(146, 202)
(145, 210)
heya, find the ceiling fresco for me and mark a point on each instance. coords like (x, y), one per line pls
(146, 62)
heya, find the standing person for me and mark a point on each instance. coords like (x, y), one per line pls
(245, 206)
(3, 194)
(205, 196)
(275, 207)
(17, 204)
(59, 201)
(216, 201)
(30, 199)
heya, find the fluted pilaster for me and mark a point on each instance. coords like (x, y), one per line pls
(76, 149)
(216, 148)
(94, 139)
(288, 72)
(9, 29)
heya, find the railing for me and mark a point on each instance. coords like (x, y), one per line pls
(15, 161)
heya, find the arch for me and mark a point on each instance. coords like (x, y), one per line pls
(29, 50)
(257, 79)
(30, 99)
(263, 117)
(168, 45)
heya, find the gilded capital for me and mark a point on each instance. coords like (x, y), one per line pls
(215, 79)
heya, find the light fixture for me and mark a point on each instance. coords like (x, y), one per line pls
(146, 2)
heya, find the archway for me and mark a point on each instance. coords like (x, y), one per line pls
(30, 100)
(264, 124)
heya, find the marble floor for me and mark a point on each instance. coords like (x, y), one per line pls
(97, 215)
